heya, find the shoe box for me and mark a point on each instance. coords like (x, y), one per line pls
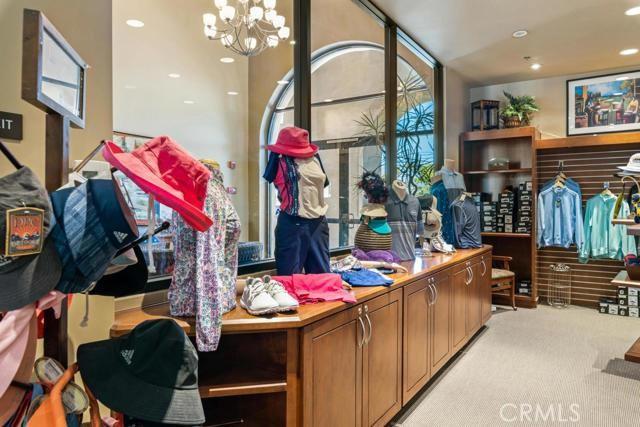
(506, 212)
(525, 208)
(488, 211)
(524, 287)
(625, 304)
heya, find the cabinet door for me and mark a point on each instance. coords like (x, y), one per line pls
(485, 286)
(332, 370)
(459, 284)
(474, 299)
(415, 345)
(440, 321)
(382, 355)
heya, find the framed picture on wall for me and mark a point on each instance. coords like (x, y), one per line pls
(603, 104)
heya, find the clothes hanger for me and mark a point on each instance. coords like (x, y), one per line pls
(606, 191)
(91, 155)
(165, 225)
(9, 155)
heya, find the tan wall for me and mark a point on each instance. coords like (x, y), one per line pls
(550, 94)
(87, 27)
(456, 111)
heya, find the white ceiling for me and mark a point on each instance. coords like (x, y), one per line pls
(474, 37)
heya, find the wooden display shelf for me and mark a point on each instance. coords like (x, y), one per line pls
(483, 135)
(500, 171)
(633, 354)
(623, 221)
(622, 279)
(512, 235)
(242, 389)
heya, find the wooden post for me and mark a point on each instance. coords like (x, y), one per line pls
(56, 175)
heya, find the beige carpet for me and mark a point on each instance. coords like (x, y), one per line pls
(539, 367)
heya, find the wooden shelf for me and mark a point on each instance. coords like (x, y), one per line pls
(618, 138)
(622, 279)
(242, 389)
(513, 235)
(499, 171)
(623, 221)
(633, 354)
(483, 135)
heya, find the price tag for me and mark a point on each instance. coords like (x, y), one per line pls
(25, 228)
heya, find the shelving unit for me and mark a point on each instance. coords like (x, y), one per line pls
(517, 145)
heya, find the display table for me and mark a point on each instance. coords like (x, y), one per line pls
(335, 363)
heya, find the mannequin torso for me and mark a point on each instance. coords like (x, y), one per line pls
(400, 189)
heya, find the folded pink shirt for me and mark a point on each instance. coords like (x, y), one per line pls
(310, 288)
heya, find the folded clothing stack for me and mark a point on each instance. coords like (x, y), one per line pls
(310, 288)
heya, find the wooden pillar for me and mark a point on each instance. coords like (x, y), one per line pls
(56, 175)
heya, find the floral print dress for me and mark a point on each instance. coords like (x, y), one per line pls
(206, 266)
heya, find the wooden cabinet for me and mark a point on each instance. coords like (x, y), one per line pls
(441, 320)
(485, 287)
(332, 370)
(382, 354)
(460, 279)
(351, 366)
(416, 361)
(474, 298)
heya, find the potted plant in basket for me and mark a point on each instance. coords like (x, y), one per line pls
(518, 110)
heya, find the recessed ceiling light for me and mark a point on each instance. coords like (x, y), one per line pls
(135, 23)
(283, 82)
(129, 87)
(518, 34)
(189, 102)
(622, 78)
(535, 66)
(174, 75)
(631, 51)
(227, 60)
(232, 93)
(328, 100)
(633, 11)
(292, 42)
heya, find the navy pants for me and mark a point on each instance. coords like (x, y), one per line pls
(301, 243)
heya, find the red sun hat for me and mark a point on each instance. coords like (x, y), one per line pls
(293, 141)
(164, 169)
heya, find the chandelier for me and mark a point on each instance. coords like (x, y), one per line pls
(248, 28)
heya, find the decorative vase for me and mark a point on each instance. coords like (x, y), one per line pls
(512, 122)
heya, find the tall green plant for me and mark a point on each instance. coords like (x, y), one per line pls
(415, 118)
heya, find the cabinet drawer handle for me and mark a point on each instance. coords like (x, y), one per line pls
(433, 295)
(366, 315)
(364, 332)
(484, 267)
(468, 281)
(435, 289)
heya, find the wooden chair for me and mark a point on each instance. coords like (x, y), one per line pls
(503, 279)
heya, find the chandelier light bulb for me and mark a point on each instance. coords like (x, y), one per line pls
(272, 41)
(220, 3)
(256, 13)
(210, 32)
(250, 43)
(209, 19)
(284, 33)
(227, 13)
(227, 40)
(270, 4)
(278, 21)
(270, 14)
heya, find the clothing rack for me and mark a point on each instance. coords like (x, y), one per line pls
(592, 162)
(9, 155)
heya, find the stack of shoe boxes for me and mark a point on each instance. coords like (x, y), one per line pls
(524, 287)
(506, 210)
(525, 208)
(626, 303)
(488, 214)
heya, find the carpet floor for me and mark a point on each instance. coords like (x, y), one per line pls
(538, 367)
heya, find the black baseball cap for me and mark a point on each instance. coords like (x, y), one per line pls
(129, 281)
(150, 374)
(25, 279)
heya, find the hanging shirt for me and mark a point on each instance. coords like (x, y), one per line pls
(206, 266)
(452, 179)
(300, 184)
(406, 222)
(466, 221)
(568, 182)
(559, 218)
(439, 191)
(602, 239)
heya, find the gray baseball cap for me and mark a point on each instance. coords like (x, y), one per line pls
(25, 279)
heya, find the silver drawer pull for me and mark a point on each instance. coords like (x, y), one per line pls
(364, 332)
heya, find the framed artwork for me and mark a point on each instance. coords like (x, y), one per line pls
(53, 74)
(603, 104)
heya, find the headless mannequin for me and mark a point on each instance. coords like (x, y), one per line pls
(400, 189)
(450, 164)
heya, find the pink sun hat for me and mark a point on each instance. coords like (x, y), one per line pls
(14, 337)
(293, 141)
(164, 169)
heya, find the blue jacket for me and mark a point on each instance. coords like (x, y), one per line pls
(559, 218)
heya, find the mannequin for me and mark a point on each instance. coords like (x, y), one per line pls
(400, 189)
(450, 164)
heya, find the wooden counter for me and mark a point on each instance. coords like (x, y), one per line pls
(335, 363)
(239, 320)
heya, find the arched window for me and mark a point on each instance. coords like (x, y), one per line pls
(350, 113)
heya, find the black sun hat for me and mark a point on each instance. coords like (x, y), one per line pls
(150, 374)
